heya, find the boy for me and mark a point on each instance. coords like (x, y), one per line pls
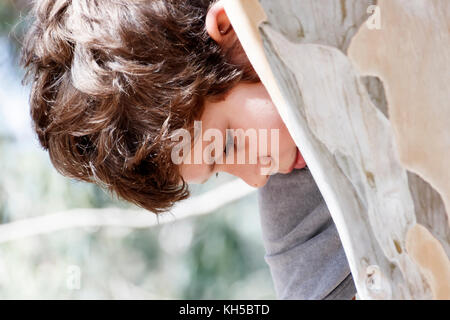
(113, 83)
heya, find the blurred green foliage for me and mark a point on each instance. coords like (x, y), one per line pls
(217, 256)
(8, 15)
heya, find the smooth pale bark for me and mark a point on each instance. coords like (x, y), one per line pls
(298, 47)
(411, 55)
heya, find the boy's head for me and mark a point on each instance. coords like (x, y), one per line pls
(112, 80)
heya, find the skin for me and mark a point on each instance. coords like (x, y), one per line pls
(246, 106)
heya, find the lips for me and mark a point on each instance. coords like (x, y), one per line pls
(299, 162)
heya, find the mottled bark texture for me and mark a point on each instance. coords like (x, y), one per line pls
(368, 105)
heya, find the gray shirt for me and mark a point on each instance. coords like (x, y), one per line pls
(303, 249)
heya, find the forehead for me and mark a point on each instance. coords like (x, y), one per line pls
(212, 118)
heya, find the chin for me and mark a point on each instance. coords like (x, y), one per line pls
(285, 171)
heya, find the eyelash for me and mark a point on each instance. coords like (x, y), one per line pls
(228, 143)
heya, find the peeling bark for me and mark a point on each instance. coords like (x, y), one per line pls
(411, 54)
(430, 256)
(358, 157)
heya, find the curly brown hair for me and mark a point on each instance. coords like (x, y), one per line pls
(113, 79)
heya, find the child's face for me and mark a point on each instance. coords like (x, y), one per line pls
(247, 106)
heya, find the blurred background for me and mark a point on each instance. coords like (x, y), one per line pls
(62, 239)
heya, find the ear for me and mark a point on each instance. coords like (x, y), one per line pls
(218, 25)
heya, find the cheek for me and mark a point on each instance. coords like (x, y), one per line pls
(260, 114)
(286, 141)
(257, 113)
(269, 119)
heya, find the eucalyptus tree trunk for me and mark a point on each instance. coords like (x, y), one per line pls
(363, 88)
